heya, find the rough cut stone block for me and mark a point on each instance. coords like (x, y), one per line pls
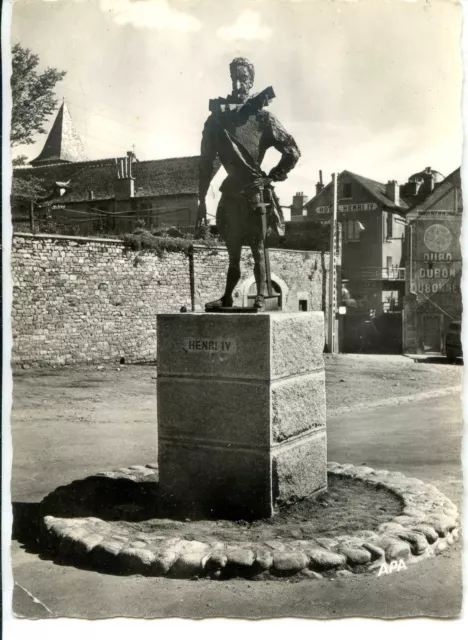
(290, 561)
(298, 466)
(213, 411)
(397, 552)
(298, 341)
(355, 555)
(324, 559)
(298, 405)
(241, 411)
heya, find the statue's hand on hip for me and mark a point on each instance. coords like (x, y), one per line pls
(277, 175)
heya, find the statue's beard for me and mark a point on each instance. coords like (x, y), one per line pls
(241, 93)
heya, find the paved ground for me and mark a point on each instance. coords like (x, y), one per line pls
(69, 424)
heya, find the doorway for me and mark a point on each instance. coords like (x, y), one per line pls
(432, 333)
(271, 304)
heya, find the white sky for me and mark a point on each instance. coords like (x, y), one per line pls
(371, 86)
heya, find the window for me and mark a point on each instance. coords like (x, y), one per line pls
(389, 226)
(347, 190)
(353, 230)
(302, 305)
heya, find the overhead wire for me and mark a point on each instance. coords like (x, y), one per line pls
(159, 212)
(87, 95)
(99, 215)
(112, 144)
(107, 117)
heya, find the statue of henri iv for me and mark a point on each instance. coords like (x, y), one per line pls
(239, 131)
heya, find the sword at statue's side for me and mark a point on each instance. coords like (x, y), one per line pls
(263, 206)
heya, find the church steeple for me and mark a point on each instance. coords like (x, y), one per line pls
(63, 143)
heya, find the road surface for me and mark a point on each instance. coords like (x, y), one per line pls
(421, 439)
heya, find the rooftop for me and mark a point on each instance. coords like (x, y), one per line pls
(376, 189)
(169, 176)
(63, 143)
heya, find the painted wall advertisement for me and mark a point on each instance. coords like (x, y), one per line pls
(437, 254)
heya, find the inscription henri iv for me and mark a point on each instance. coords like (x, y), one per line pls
(224, 346)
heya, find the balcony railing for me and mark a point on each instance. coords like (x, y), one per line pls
(379, 273)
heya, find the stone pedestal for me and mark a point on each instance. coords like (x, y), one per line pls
(241, 411)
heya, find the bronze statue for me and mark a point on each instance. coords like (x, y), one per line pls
(239, 131)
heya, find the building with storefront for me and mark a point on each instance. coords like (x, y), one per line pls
(371, 215)
(372, 219)
(433, 267)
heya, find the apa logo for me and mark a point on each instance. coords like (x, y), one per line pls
(395, 565)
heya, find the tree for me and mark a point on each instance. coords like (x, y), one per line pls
(32, 95)
(19, 161)
(23, 190)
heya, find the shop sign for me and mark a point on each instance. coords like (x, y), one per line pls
(349, 208)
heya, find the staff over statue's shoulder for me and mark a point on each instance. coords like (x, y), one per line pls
(239, 131)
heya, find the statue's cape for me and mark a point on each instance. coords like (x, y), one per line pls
(258, 179)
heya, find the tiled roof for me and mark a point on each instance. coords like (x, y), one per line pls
(377, 189)
(452, 181)
(171, 176)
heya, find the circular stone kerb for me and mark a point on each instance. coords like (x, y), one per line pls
(427, 525)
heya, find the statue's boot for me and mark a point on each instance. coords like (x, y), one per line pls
(259, 273)
(222, 302)
(233, 276)
(259, 302)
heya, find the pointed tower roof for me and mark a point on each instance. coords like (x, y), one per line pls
(63, 143)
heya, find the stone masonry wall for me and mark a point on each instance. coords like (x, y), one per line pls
(299, 274)
(81, 300)
(78, 301)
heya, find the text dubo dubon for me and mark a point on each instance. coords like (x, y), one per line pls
(442, 278)
(216, 345)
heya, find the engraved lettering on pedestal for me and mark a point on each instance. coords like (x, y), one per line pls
(217, 345)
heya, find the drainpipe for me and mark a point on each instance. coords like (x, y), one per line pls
(411, 256)
(192, 277)
(410, 226)
(332, 270)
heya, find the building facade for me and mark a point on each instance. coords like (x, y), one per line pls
(433, 267)
(110, 194)
(371, 216)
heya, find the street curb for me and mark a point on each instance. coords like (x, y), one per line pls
(427, 525)
(393, 401)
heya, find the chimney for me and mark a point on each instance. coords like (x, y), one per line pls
(392, 191)
(125, 182)
(429, 181)
(319, 186)
(297, 209)
(411, 188)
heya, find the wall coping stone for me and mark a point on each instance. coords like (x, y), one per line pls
(51, 236)
(197, 247)
(201, 247)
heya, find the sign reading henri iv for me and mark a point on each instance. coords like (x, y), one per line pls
(210, 346)
(349, 208)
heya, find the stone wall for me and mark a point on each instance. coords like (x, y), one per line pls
(299, 275)
(89, 300)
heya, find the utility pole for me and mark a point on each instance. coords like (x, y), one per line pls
(31, 217)
(332, 270)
